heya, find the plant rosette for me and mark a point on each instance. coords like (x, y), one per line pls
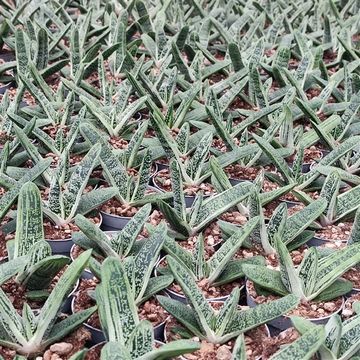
(251, 250)
(64, 349)
(162, 182)
(149, 310)
(76, 251)
(254, 339)
(211, 293)
(60, 237)
(316, 312)
(116, 215)
(20, 295)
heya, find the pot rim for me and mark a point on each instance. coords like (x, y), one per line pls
(163, 323)
(104, 213)
(330, 240)
(70, 239)
(310, 319)
(217, 299)
(156, 186)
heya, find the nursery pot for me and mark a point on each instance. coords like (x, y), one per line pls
(305, 168)
(181, 297)
(160, 166)
(6, 87)
(234, 182)
(354, 291)
(63, 246)
(316, 241)
(189, 200)
(98, 336)
(7, 56)
(283, 322)
(290, 203)
(114, 223)
(66, 308)
(183, 358)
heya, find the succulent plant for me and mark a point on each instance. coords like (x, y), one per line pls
(201, 319)
(205, 87)
(341, 337)
(31, 334)
(188, 222)
(130, 190)
(64, 204)
(220, 268)
(30, 256)
(317, 278)
(125, 333)
(139, 256)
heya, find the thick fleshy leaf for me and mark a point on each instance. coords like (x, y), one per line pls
(204, 311)
(220, 259)
(117, 310)
(304, 347)
(29, 219)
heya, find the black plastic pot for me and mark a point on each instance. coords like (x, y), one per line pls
(161, 166)
(284, 322)
(63, 247)
(114, 223)
(234, 182)
(66, 308)
(354, 291)
(5, 87)
(180, 297)
(189, 200)
(97, 335)
(290, 204)
(7, 56)
(305, 168)
(316, 241)
(183, 358)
